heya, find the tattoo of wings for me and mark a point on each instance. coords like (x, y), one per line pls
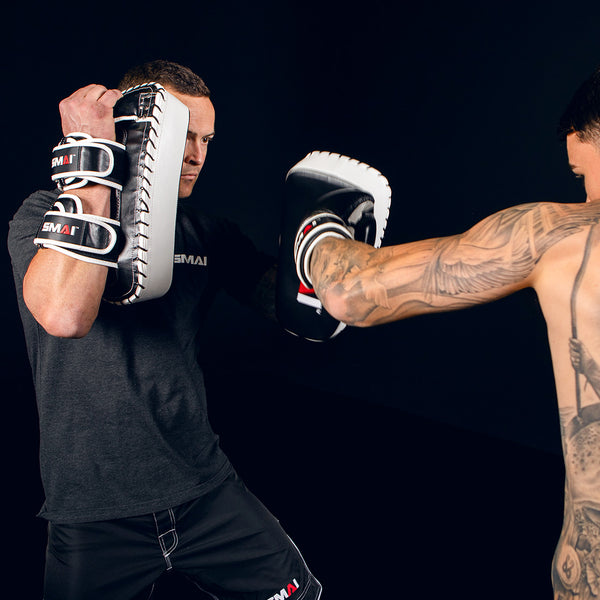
(502, 249)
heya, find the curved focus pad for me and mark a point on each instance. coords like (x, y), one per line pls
(152, 124)
(326, 195)
(80, 159)
(91, 238)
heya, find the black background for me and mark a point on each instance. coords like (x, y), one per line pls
(418, 459)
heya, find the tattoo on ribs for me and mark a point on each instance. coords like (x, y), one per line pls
(576, 565)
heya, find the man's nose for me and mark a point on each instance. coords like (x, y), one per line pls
(195, 153)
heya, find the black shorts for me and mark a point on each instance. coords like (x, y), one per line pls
(226, 542)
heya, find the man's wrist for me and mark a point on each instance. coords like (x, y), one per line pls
(95, 199)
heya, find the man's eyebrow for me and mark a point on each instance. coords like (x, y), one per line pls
(195, 134)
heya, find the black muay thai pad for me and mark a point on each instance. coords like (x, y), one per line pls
(152, 125)
(327, 194)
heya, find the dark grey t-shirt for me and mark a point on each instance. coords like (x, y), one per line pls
(123, 423)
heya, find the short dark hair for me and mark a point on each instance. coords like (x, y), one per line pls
(167, 73)
(582, 115)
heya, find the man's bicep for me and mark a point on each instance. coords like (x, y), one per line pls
(442, 275)
(495, 257)
(501, 254)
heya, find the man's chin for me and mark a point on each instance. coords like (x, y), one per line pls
(185, 191)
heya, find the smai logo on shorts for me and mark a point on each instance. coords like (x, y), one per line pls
(287, 591)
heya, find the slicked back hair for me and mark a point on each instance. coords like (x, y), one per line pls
(179, 78)
(582, 115)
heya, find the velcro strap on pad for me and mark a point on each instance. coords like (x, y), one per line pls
(90, 238)
(80, 159)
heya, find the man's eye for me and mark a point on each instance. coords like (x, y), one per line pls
(580, 178)
(207, 138)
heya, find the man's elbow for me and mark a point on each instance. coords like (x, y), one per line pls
(343, 306)
(62, 322)
(61, 315)
(65, 328)
(336, 305)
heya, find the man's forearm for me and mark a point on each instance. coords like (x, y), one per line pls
(61, 292)
(363, 286)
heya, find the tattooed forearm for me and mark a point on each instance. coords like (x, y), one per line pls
(490, 260)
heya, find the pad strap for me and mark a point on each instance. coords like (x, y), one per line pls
(315, 228)
(80, 159)
(90, 238)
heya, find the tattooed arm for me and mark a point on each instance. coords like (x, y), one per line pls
(363, 286)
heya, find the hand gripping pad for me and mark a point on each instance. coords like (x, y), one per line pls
(334, 185)
(152, 124)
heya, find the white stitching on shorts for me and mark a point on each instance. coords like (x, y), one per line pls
(167, 552)
(194, 582)
(310, 575)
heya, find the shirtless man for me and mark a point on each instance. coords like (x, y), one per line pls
(552, 248)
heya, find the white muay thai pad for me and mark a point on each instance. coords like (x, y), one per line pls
(152, 125)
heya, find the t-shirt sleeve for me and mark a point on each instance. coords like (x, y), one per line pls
(23, 228)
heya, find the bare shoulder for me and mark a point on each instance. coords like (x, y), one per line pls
(540, 219)
(532, 229)
(567, 232)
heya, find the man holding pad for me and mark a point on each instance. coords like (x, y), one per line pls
(134, 477)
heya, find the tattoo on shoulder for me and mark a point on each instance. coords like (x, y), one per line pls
(504, 248)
